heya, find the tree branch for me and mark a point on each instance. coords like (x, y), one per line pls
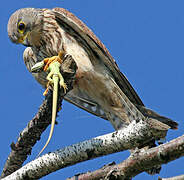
(136, 134)
(31, 134)
(140, 162)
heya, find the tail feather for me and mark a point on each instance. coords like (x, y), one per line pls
(151, 114)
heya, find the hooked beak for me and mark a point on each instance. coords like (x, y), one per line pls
(23, 40)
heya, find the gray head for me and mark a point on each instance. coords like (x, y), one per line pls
(24, 26)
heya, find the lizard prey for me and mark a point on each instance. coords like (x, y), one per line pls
(52, 65)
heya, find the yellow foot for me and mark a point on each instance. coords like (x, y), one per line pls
(53, 65)
(48, 61)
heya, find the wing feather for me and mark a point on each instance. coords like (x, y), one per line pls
(86, 104)
(84, 35)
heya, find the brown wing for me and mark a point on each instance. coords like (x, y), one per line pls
(84, 35)
(75, 97)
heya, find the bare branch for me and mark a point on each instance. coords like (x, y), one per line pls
(136, 134)
(140, 162)
(31, 134)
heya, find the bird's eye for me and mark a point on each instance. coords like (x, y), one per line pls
(21, 27)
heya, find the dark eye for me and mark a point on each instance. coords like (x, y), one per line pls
(21, 26)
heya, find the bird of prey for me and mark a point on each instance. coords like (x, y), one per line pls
(99, 88)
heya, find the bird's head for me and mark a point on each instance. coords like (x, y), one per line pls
(24, 26)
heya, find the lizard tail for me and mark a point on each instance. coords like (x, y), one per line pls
(54, 109)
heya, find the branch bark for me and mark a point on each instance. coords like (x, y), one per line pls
(139, 162)
(31, 134)
(135, 134)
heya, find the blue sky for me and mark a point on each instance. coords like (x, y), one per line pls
(146, 38)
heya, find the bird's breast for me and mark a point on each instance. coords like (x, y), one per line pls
(91, 77)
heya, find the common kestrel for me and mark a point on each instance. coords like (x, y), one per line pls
(100, 88)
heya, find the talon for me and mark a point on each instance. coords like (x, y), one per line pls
(48, 61)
